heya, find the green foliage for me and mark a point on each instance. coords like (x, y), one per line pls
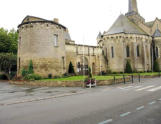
(8, 62)
(32, 77)
(89, 73)
(30, 69)
(3, 77)
(8, 41)
(50, 76)
(71, 68)
(128, 68)
(24, 72)
(156, 66)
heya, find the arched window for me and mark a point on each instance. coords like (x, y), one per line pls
(157, 52)
(138, 51)
(127, 51)
(112, 52)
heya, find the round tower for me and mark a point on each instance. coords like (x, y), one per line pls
(43, 42)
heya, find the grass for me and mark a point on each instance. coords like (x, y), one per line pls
(81, 78)
(109, 77)
(142, 74)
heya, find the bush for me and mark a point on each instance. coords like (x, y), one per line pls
(50, 76)
(71, 68)
(32, 77)
(89, 73)
(31, 68)
(156, 66)
(24, 72)
(3, 77)
(128, 68)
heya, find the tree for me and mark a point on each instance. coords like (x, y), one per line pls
(156, 66)
(71, 68)
(89, 73)
(8, 41)
(8, 62)
(30, 68)
(128, 68)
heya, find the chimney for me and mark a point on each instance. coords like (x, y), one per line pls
(56, 20)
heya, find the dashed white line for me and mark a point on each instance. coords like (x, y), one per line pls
(106, 121)
(139, 108)
(125, 114)
(151, 103)
(155, 89)
(145, 88)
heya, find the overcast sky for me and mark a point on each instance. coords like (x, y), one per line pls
(83, 18)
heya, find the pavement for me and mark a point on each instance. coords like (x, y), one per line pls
(137, 103)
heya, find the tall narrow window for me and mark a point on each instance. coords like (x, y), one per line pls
(157, 52)
(127, 51)
(138, 51)
(112, 52)
(55, 40)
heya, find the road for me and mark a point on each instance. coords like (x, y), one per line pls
(138, 103)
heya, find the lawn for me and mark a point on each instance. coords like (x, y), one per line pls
(81, 78)
(109, 77)
(142, 74)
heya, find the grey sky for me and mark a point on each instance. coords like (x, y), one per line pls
(84, 18)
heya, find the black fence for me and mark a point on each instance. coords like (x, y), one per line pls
(133, 78)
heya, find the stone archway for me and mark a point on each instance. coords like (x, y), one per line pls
(82, 66)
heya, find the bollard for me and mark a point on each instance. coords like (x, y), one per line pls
(124, 79)
(139, 77)
(132, 78)
(114, 78)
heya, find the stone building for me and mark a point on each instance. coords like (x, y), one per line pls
(48, 44)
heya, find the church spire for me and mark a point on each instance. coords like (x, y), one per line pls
(133, 6)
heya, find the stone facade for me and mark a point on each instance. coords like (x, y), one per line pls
(48, 44)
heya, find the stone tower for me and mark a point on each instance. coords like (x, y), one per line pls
(133, 13)
(43, 42)
(133, 6)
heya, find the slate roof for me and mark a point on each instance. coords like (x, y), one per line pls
(124, 25)
(157, 33)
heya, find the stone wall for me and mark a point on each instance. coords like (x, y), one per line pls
(157, 41)
(119, 42)
(36, 42)
(90, 54)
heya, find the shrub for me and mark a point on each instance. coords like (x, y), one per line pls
(30, 68)
(3, 77)
(50, 76)
(71, 68)
(32, 77)
(128, 68)
(156, 66)
(24, 72)
(89, 73)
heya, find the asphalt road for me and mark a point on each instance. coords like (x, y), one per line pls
(138, 103)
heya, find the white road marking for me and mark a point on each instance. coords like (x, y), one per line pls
(139, 108)
(155, 89)
(137, 86)
(126, 88)
(125, 114)
(105, 122)
(145, 88)
(151, 103)
(159, 99)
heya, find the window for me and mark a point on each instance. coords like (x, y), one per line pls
(112, 52)
(55, 40)
(157, 52)
(127, 51)
(138, 51)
